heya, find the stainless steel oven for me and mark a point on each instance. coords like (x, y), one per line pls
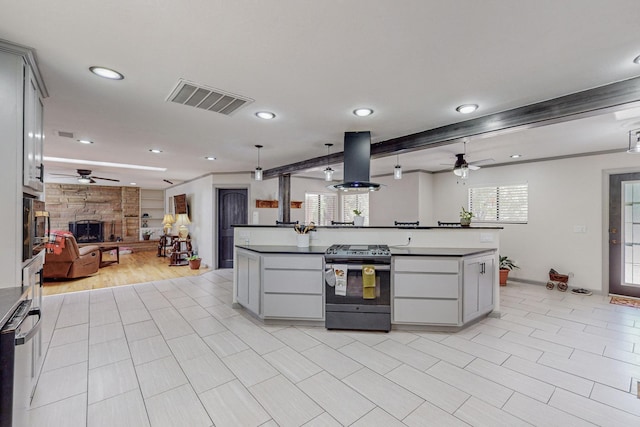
(35, 227)
(358, 287)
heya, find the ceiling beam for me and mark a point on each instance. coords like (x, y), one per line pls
(587, 103)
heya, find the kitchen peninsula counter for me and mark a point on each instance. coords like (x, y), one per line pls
(395, 251)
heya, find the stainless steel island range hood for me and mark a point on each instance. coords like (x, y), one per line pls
(357, 159)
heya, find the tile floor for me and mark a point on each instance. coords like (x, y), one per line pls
(174, 353)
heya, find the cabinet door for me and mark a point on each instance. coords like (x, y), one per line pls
(242, 279)
(472, 269)
(254, 284)
(485, 285)
(33, 138)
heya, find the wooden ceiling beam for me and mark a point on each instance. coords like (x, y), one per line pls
(587, 103)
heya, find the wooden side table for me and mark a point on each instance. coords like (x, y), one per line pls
(181, 251)
(103, 249)
(165, 244)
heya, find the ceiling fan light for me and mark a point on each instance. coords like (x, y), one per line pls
(84, 180)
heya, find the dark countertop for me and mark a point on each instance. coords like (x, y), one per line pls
(395, 250)
(284, 249)
(396, 227)
(9, 299)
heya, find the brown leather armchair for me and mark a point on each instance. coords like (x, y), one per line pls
(65, 260)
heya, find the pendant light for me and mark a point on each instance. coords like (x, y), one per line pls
(634, 141)
(328, 172)
(397, 170)
(258, 172)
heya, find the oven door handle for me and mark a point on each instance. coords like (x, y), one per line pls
(382, 267)
(23, 338)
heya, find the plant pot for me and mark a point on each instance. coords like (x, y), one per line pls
(303, 240)
(146, 236)
(194, 264)
(465, 222)
(358, 221)
(504, 274)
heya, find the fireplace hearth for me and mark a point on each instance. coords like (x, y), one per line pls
(87, 231)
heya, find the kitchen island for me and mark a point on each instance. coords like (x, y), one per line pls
(444, 286)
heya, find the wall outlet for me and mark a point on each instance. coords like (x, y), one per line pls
(244, 236)
(579, 228)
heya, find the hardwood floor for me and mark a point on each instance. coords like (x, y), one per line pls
(137, 267)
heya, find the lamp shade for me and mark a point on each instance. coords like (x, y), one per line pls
(168, 219)
(182, 220)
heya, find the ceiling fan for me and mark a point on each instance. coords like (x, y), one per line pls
(461, 167)
(84, 176)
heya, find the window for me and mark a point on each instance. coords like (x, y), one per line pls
(320, 208)
(504, 203)
(358, 201)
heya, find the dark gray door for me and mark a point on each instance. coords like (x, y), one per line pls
(232, 209)
(624, 234)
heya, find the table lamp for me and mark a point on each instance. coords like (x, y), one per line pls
(182, 220)
(168, 222)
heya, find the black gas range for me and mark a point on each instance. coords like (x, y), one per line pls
(344, 253)
(358, 287)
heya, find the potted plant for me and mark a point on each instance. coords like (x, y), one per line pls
(194, 261)
(506, 265)
(146, 235)
(465, 217)
(358, 219)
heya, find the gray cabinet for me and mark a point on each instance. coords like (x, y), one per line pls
(426, 290)
(248, 280)
(293, 286)
(477, 286)
(21, 92)
(33, 136)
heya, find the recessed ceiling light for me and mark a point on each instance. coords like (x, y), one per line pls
(637, 60)
(467, 108)
(133, 183)
(267, 115)
(516, 156)
(107, 73)
(85, 141)
(209, 157)
(155, 150)
(363, 112)
(97, 163)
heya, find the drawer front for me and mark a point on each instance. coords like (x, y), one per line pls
(426, 285)
(293, 262)
(293, 306)
(292, 281)
(428, 265)
(425, 311)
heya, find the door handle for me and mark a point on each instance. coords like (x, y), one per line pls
(614, 242)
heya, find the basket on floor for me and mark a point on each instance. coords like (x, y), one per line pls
(558, 277)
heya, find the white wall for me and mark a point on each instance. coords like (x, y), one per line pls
(562, 194)
(398, 200)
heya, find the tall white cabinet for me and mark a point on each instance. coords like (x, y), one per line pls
(21, 139)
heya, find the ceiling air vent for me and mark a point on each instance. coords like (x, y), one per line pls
(65, 134)
(207, 98)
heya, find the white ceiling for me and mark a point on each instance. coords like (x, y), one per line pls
(312, 63)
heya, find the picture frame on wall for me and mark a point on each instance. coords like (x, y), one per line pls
(180, 202)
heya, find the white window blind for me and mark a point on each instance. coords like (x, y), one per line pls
(320, 208)
(503, 203)
(358, 201)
